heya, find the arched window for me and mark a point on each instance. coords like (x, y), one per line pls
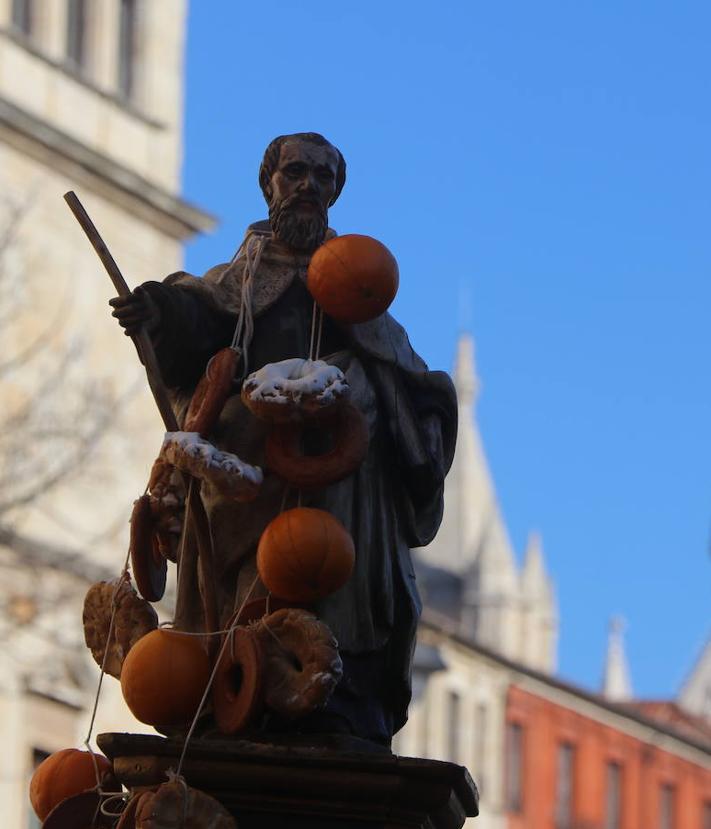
(127, 47)
(76, 33)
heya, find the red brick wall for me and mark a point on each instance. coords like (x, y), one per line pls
(645, 768)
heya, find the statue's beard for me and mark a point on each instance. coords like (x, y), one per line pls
(302, 230)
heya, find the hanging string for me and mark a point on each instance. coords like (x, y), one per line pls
(114, 607)
(320, 331)
(316, 331)
(103, 808)
(287, 489)
(244, 329)
(313, 330)
(213, 673)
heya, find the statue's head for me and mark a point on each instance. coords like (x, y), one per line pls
(301, 176)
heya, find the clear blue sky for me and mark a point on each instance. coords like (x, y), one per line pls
(550, 161)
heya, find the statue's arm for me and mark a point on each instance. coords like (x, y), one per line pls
(185, 327)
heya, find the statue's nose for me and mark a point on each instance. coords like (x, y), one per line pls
(307, 183)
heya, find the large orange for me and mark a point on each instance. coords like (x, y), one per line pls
(353, 278)
(305, 554)
(64, 774)
(164, 677)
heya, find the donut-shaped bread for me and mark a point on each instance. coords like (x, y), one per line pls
(149, 566)
(212, 392)
(178, 806)
(237, 691)
(302, 662)
(232, 477)
(345, 434)
(292, 389)
(167, 494)
(134, 618)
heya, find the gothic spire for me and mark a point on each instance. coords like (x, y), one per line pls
(616, 684)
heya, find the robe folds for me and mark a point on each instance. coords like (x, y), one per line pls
(392, 503)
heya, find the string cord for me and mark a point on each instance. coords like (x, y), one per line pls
(244, 329)
(316, 331)
(114, 607)
(213, 673)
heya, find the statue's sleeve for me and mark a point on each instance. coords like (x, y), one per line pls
(421, 411)
(192, 329)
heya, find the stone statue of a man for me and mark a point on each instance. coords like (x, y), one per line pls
(391, 504)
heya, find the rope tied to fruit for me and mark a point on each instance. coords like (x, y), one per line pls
(123, 577)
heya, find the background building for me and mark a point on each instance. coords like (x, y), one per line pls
(544, 753)
(91, 100)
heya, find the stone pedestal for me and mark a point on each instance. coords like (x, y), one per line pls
(291, 783)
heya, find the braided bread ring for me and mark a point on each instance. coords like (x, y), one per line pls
(302, 662)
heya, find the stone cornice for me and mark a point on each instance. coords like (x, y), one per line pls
(82, 163)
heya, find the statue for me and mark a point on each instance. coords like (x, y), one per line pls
(392, 503)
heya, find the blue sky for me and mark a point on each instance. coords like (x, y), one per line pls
(541, 172)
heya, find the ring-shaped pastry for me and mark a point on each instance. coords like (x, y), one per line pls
(133, 618)
(212, 392)
(149, 566)
(237, 690)
(231, 476)
(175, 804)
(302, 662)
(293, 389)
(286, 457)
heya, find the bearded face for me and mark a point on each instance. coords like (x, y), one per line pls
(300, 190)
(299, 221)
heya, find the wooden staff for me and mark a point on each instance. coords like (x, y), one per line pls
(160, 394)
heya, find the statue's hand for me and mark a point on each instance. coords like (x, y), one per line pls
(136, 311)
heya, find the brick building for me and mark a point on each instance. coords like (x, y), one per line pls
(575, 761)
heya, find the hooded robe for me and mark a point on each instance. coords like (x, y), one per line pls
(392, 503)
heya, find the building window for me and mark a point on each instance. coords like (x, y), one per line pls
(22, 16)
(514, 767)
(666, 807)
(480, 745)
(613, 796)
(76, 33)
(453, 726)
(127, 47)
(564, 786)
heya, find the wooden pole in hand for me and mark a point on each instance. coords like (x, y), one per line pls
(160, 394)
(142, 340)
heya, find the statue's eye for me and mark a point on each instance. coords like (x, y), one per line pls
(293, 170)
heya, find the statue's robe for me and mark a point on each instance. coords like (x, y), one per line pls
(392, 503)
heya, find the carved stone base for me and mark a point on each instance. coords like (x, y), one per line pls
(343, 783)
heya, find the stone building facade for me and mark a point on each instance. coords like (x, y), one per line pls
(91, 98)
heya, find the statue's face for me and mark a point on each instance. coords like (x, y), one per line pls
(302, 187)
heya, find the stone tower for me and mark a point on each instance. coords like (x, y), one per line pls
(90, 99)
